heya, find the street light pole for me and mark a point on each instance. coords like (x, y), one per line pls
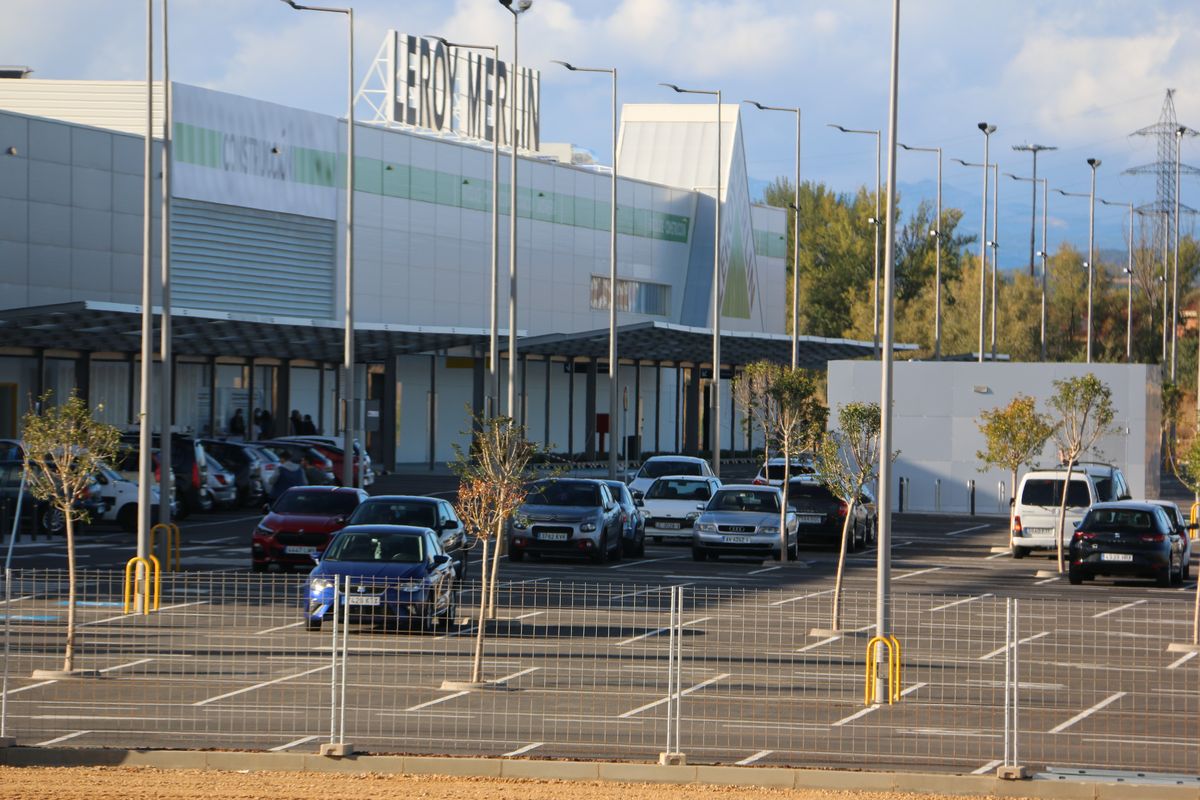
(348, 458)
(936, 233)
(714, 403)
(995, 245)
(513, 80)
(167, 367)
(988, 130)
(1180, 132)
(1093, 163)
(1045, 182)
(875, 223)
(144, 440)
(1034, 149)
(612, 277)
(795, 235)
(1129, 292)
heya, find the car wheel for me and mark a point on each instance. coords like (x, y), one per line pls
(600, 554)
(312, 624)
(1020, 552)
(698, 554)
(514, 554)
(127, 517)
(1075, 577)
(53, 520)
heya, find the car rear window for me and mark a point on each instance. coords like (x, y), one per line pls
(557, 493)
(1048, 492)
(670, 489)
(322, 503)
(809, 491)
(1117, 519)
(386, 512)
(775, 471)
(656, 469)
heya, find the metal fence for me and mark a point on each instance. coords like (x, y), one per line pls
(602, 671)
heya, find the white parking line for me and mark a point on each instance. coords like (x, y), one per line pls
(49, 742)
(967, 530)
(191, 526)
(644, 561)
(260, 685)
(689, 690)
(800, 597)
(757, 756)
(918, 572)
(1117, 609)
(759, 572)
(806, 648)
(651, 590)
(280, 628)
(1085, 714)
(27, 688)
(524, 749)
(127, 616)
(659, 630)
(988, 767)
(296, 743)
(18, 599)
(944, 606)
(508, 678)
(1183, 659)
(1044, 581)
(130, 664)
(993, 556)
(1027, 639)
(869, 709)
(436, 700)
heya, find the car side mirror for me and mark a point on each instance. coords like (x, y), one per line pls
(340, 520)
(639, 502)
(266, 509)
(449, 525)
(316, 558)
(1077, 523)
(638, 495)
(699, 506)
(440, 559)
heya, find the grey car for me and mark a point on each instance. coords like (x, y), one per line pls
(742, 520)
(567, 516)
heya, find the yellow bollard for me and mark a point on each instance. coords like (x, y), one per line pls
(153, 576)
(1192, 516)
(894, 670)
(174, 537)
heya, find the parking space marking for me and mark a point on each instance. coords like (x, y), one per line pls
(1085, 714)
(508, 678)
(130, 664)
(524, 749)
(639, 562)
(1044, 581)
(944, 606)
(280, 628)
(689, 690)
(657, 631)
(192, 525)
(436, 700)
(806, 648)
(1026, 640)
(260, 685)
(986, 768)
(863, 712)
(27, 688)
(918, 572)
(800, 597)
(967, 530)
(1117, 609)
(993, 556)
(49, 742)
(761, 754)
(651, 590)
(127, 616)
(1183, 659)
(759, 572)
(290, 745)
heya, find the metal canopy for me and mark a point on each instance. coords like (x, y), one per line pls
(662, 341)
(112, 327)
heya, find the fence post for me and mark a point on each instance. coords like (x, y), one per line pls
(1007, 680)
(1012, 769)
(345, 749)
(337, 746)
(971, 496)
(937, 494)
(672, 755)
(5, 739)
(900, 497)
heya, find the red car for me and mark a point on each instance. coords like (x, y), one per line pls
(299, 526)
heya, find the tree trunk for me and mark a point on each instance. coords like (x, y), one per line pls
(491, 606)
(841, 567)
(477, 663)
(783, 505)
(1062, 516)
(69, 651)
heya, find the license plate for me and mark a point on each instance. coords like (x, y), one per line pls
(1039, 531)
(735, 539)
(668, 526)
(552, 537)
(810, 519)
(297, 550)
(1116, 556)
(362, 599)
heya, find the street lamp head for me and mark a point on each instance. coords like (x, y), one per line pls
(10, 151)
(565, 64)
(440, 39)
(522, 5)
(988, 130)
(1093, 162)
(292, 3)
(839, 127)
(672, 87)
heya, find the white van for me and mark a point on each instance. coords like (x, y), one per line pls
(1040, 494)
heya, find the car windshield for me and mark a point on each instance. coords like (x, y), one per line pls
(1118, 519)
(656, 469)
(321, 503)
(620, 492)
(675, 489)
(744, 500)
(402, 548)
(1049, 491)
(395, 512)
(558, 493)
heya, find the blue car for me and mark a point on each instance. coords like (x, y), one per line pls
(398, 575)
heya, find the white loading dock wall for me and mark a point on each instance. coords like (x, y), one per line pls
(936, 412)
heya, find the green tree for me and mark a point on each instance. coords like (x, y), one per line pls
(847, 460)
(1085, 414)
(798, 416)
(751, 392)
(64, 446)
(1014, 436)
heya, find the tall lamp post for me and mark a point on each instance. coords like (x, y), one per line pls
(1035, 149)
(348, 459)
(714, 402)
(987, 130)
(612, 275)
(1129, 273)
(1088, 265)
(874, 222)
(493, 399)
(1040, 253)
(144, 439)
(795, 235)
(166, 395)
(513, 79)
(993, 244)
(1180, 132)
(936, 233)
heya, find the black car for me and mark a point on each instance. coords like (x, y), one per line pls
(1126, 538)
(422, 512)
(633, 522)
(242, 461)
(187, 462)
(820, 514)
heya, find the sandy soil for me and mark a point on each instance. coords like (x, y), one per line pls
(125, 783)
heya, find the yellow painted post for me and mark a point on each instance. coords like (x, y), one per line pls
(133, 573)
(174, 537)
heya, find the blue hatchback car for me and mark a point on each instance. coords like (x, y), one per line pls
(398, 574)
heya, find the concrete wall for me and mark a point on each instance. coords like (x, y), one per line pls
(937, 405)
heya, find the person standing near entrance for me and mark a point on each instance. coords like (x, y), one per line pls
(266, 425)
(296, 423)
(308, 427)
(237, 425)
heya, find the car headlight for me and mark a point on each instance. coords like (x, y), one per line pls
(768, 529)
(706, 527)
(520, 523)
(587, 527)
(411, 586)
(320, 584)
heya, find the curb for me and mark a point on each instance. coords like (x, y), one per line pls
(774, 777)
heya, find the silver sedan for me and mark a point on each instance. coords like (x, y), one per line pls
(742, 521)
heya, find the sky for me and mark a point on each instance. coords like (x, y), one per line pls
(1081, 75)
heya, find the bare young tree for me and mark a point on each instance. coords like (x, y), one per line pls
(1085, 414)
(64, 446)
(1014, 436)
(797, 413)
(751, 392)
(847, 459)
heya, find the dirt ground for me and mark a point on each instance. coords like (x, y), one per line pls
(126, 783)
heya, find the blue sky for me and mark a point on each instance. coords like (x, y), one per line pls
(1079, 74)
